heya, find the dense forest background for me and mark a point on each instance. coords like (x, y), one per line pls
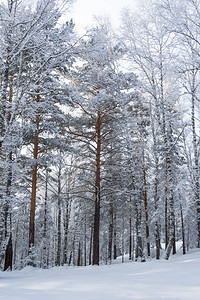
(99, 134)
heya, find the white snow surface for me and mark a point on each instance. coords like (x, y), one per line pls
(178, 278)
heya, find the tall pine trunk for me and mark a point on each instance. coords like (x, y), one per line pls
(34, 180)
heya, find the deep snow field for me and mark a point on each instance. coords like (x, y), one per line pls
(178, 279)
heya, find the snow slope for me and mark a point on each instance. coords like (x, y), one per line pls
(178, 278)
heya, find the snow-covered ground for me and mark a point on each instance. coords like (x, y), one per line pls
(178, 278)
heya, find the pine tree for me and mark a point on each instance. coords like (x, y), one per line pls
(100, 85)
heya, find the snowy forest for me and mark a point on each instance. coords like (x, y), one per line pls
(99, 134)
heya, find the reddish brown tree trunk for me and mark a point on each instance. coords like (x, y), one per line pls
(34, 181)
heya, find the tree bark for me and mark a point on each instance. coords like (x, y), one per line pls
(146, 207)
(115, 237)
(157, 232)
(58, 259)
(110, 232)
(45, 259)
(79, 255)
(8, 218)
(123, 242)
(9, 254)
(34, 181)
(156, 181)
(85, 242)
(90, 252)
(183, 229)
(97, 193)
(8, 214)
(130, 236)
(139, 245)
(196, 160)
(66, 227)
(171, 245)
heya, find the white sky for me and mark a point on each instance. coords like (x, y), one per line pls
(84, 11)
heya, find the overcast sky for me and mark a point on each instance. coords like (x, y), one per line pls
(84, 10)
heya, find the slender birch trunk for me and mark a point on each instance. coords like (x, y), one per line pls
(196, 160)
(97, 193)
(110, 232)
(183, 229)
(58, 259)
(8, 206)
(45, 256)
(146, 207)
